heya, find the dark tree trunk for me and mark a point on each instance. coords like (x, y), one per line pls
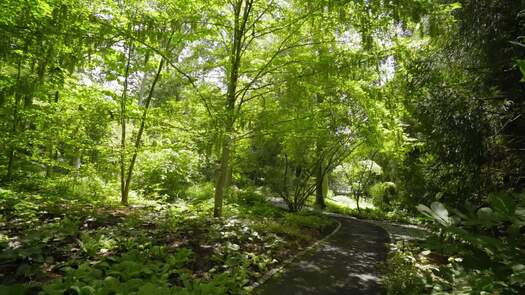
(10, 165)
(123, 190)
(221, 179)
(320, 193)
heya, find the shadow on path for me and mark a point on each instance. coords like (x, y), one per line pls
(347, 263)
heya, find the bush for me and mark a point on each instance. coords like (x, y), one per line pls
(372, 213)
(199, 192)
(489, 240)
(403, 277)
(382, 194)
(290, 231)
(251, 201)
(309, 220)
(167, 171)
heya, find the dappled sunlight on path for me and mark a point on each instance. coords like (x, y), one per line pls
(347, 263)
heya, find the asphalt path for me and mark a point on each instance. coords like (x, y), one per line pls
(346, 263)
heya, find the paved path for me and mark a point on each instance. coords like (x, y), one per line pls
(346, 263)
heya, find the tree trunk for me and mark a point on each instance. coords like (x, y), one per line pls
(357, 197)
(229, 174)
(12, 151)
(320, 193)
(325, 186)
(123, 192)
(139, 135)
(239, 30)
(77, 161)
(221, 178)
(10, 165)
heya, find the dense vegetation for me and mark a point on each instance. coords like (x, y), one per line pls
(145, 144)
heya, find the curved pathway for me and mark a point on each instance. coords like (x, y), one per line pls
(346, 263)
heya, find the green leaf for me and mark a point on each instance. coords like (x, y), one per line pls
(521, 66)
(76, 289)
(111, 284)
(485, 213)
(87, 290)
(518, 275)
(437, 212)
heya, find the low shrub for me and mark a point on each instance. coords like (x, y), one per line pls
(199, 192)
(383, 194)
(403, 277)
(309, 219)
(167, 172)
(289, 231)
(373, 213)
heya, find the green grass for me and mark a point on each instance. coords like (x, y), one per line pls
(351, 202)
(370, 212)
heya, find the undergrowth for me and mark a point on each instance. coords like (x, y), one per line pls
(56, 245)
(372, 213)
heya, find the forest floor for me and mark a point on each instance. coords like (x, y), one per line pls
(55, 245)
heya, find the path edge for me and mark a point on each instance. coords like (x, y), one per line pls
(269, 274)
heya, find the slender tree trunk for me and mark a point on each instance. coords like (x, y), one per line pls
(123, 99)
(320, 193)
(77, 161)
(235, 63)
(357, 197)
(10, 164)
(140, 132)
(221, 179)
(12, 151)
(325, 186)
(50, 148)
(285, 177)
(322, 52)
(229, 174)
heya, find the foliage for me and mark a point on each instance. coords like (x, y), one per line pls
(463, 107)
(310, 220)
(84, 247)
(184, 109)
(403, 276)
(167, 172)
(383, 194)
(487, 240)
(397, 215)
(359, 176)
(199, 192)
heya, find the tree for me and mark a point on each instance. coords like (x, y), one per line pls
(42, 43)
(245, 32)
(359, 175)
(462, 104)
(146, 35)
